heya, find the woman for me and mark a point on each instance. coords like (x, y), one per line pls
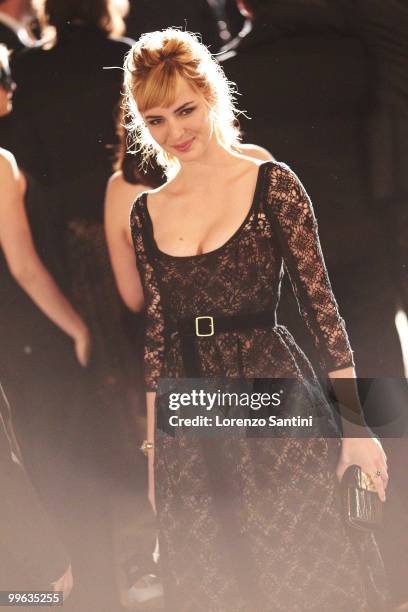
(28, 330)
(244, 523)
(128, 182)
(17, 242)
(32, 306)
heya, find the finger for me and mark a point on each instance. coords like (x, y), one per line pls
(82, 357)
(375, 476)
(78, 354)
(85, 358)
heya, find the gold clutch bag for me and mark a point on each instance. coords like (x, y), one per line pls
(361, 505)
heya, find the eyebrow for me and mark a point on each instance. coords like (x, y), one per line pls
(176, 111)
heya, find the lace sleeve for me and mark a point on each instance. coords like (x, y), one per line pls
(154, 334)
(294, 224)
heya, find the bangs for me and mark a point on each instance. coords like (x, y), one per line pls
(159, 89)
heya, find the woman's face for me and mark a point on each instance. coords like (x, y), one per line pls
(185, 128)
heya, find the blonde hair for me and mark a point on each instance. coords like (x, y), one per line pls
(152, 69)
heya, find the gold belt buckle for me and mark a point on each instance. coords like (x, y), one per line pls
(197, 326)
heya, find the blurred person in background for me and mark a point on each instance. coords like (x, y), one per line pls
(235, 19)
(18, 247)
(197, 16)
(44, 346)
(65, 95)
(64, 125)
(31, 555)
(14, 34)
(15, 15)
(333, 107)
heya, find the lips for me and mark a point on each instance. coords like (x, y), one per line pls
(184, 146)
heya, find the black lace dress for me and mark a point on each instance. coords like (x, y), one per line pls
(250, 524)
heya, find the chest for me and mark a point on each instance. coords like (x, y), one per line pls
(197, 225)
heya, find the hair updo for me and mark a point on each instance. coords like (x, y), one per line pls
(152, 68)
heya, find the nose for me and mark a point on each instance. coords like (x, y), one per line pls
(175, 132)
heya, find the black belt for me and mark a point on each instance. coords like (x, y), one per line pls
(205, 326)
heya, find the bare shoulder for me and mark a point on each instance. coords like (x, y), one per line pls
(256, 152)
(120, 195)
(11, 179)
(119, 192)
(8, 164)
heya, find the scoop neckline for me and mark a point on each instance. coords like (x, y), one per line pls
(228, 241)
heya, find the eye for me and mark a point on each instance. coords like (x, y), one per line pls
(154, 121)
(187, 111)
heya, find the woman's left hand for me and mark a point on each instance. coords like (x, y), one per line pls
(369, 455)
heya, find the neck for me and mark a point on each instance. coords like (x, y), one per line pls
(212, 163)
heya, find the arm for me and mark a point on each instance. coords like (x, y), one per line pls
(118, 201)
(25, 265)
(295, 227)
(155, 330)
